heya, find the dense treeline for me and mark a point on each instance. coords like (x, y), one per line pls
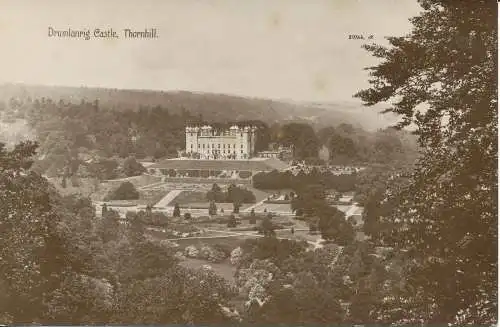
(310, 202)
(87, 139)
(233, 194)
(213, 107)
(65, 265)
(151, 132)
(285, 283)
(276, 180)
(75, 134)
(347, 144)
(62, 264)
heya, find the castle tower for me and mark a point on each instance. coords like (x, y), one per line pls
(253, 139)
(246, 142)
(191, 139)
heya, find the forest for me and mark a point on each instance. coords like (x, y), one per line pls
(88, 139)
(432, 255)
(63, 264)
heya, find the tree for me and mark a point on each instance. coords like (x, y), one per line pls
(131, 167)
(325, 134)
(216, 194)
(177, 210)
(387, 143)
(342, 146)
(239, 195)
(126, 191)
(333, 226)
(302, 138)
(305, 301)
(362, 304)
(194, 297)
(103, 169)
(236, 207)
(267, 227)
(35, 255)
(109, 226)
(252, 220)
(104, 209)
(442, 78)
(309, 199)
(212, 209)
(231, 223)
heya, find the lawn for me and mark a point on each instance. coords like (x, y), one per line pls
(138, 181)
(273, 207)
(151, 196)
(190, 197)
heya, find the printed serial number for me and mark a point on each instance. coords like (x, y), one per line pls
(359, 37)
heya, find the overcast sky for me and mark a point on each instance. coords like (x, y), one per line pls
(280, 49)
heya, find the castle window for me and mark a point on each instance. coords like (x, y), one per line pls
(241, 151)
(219, 145)
(234, 145)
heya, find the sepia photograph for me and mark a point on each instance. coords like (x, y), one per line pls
(250, 162)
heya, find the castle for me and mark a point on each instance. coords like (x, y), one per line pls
(207, 142)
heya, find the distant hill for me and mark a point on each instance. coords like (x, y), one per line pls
(213, 107)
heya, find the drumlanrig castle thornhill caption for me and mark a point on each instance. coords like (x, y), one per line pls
(102, 33)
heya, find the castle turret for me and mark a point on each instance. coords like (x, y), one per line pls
(233, 130)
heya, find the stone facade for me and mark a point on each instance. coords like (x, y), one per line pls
(208, 143)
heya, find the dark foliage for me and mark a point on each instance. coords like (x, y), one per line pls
(234, 194)
(126, 191)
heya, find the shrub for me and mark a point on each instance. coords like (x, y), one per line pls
(236, 207)
(212, 210)
(126, 191)
(233, 194)
(177, 210)
(131, 167)
(232, 222)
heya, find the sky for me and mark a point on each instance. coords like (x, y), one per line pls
(279, 49)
